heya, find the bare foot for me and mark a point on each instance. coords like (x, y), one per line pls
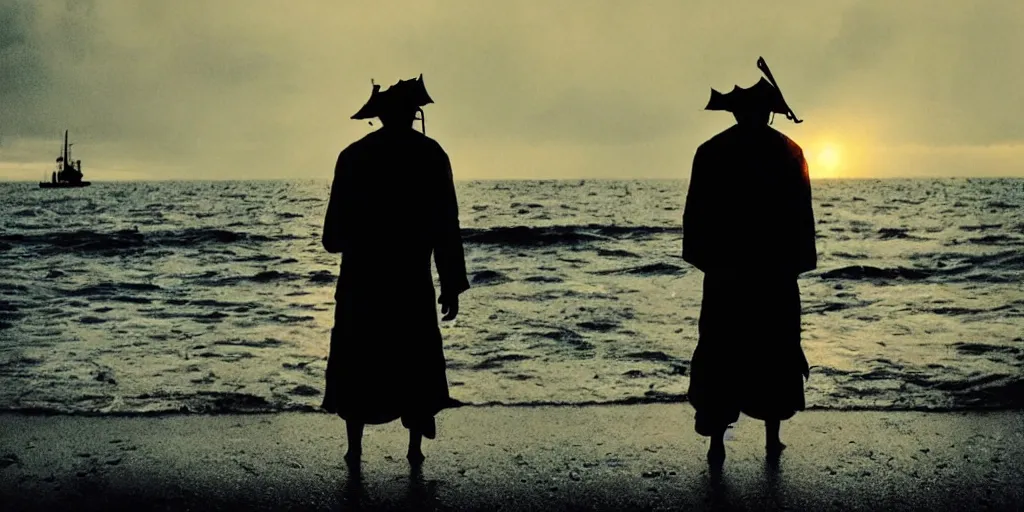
(354, 432)
(415, 457)
(774, 448)
(414, 454)
(353, 456)
(772, 444)
(716, 454)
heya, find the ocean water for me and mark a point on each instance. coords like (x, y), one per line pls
(217, 297)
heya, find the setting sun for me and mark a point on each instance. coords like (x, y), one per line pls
(826, 162)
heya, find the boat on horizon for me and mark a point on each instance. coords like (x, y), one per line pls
(68, 173)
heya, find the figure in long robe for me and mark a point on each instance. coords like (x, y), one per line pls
(748, 225)
(392, 206)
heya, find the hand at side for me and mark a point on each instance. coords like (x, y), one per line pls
(449, 307)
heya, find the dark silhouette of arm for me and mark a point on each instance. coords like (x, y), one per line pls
(807, 252)
(448, 252)
(334, 221)
(697, 214)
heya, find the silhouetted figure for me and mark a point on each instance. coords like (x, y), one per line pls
(392, 204)
(748, 225)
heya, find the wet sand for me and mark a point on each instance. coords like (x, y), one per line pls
(638, 457)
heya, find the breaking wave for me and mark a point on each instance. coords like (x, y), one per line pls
(533, 236)
(86, 241)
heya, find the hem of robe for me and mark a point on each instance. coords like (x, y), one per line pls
(408, 418)
(754, 365)
(711, 420)
(718, 405)
(346, 393)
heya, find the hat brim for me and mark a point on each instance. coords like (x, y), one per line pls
(405, 95)
(760, 96)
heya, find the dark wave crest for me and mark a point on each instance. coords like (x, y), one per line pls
(993, 398)
(529, 236)
(213, 403)
(86, 241)
(857, 272)
(988, 268)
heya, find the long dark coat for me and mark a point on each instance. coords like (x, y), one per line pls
(392, 205)
(748, 225)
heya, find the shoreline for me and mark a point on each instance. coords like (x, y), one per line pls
(611, 457)
(625, 402)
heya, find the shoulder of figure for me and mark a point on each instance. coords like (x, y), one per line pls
(432, 145)
(790, 144)
(425, 139)
(717, 141)
(359, 144)
(702, 149)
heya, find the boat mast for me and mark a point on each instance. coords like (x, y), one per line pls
(65, 164)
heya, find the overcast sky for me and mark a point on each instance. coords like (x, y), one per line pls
(231, 89)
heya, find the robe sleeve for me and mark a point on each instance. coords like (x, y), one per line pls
(807, 252)
(333, 238)
(449, 256)
(697, 214)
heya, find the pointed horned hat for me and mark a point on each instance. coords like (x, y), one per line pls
(405, 94)
(763, 94)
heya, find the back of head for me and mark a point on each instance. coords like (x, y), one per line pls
(397, 117)
(752, 116)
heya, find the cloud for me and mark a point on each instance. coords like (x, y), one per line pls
(945, 74)
(264, 88)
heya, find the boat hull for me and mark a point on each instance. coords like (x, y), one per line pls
(64, 184)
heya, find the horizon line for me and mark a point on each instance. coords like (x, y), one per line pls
(834, 178)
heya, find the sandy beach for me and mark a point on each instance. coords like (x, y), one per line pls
(637, 457)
